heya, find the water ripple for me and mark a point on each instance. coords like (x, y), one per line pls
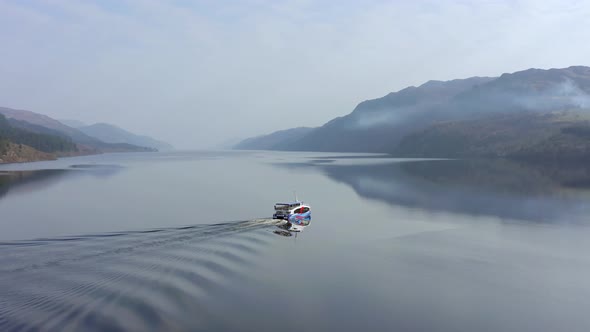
(157, 279)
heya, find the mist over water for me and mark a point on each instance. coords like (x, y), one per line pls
(183, 241)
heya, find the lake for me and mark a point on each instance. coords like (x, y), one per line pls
(184, 241)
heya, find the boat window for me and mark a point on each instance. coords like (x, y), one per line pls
(305, 210)
(297, 210)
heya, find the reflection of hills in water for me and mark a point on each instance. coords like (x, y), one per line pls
(162, 279)
(505, 189)
(19, 181)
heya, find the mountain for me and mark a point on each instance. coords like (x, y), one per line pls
(374, 125)
(112, 134)
(522, 113)
(563, 135)
(35, 128)
(42, 142)
(20, 145)
(270, 141)
(42, 124)
(47, 122)
(72, 123)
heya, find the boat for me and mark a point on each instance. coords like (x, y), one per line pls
(295, 213)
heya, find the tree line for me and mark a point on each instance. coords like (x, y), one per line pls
(41, 142)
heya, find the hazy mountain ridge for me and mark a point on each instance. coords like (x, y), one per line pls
(369, 127)
(72, 123)
(36, 128)
(43, 124)
(47, 122)
(512, 115)
(112, 134)
(270, 141)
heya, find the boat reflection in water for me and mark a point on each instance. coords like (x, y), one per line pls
(289, 228)
(541, 192)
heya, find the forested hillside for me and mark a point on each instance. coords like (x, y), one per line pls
(42, 142)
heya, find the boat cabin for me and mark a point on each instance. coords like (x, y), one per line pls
(286, 206)
(292, 211)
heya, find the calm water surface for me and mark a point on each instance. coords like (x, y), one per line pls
(184, 242)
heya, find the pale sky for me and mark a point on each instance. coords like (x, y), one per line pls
(198, 73)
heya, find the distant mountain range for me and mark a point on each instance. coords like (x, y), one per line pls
(533, 113)
(22, 133)
(72, 123)
(270, 141)
(112, 134)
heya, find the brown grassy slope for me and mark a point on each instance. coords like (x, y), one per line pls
(20, 153)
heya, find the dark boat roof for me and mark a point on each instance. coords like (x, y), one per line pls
(293, 204)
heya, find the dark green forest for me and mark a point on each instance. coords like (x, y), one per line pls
(41, 142)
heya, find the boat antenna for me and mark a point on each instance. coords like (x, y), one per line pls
(295, 193)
